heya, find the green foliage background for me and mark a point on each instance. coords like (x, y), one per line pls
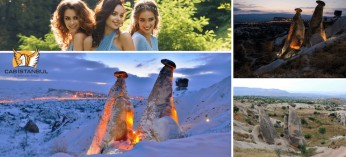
(185, 24)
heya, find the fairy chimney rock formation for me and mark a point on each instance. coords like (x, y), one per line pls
(316, 32)
(160, 105)
(117, 120)
(295, 37)
(267, 129)
(293, 128)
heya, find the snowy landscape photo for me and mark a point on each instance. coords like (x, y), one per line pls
(57, 108)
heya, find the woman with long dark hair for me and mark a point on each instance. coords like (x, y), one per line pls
(107, 36)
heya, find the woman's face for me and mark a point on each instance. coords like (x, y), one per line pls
(115, 20)
(146, 22)
(71, 20)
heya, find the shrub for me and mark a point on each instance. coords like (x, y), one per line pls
(235, 109)
(322, 130)
(282, 135)
(248, 120)
(307, 136)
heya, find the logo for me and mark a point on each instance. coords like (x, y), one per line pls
(25, 58)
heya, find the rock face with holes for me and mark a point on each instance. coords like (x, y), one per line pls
(293, 128)
(267, 129)
(117, 120)
(160, 105)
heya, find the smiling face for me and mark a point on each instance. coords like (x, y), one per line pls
(71, 20)
(116, 19)
(146, 22)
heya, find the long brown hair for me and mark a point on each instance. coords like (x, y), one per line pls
(102, 11)
(58, 26)
(141, 6)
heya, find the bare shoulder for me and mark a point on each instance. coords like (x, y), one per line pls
(80, 36)
(88, 43)
(125, 36)
(88, 40)
(126, 42)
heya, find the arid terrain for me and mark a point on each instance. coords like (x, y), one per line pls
(320, 122)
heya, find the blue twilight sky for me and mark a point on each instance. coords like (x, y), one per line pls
(317, 86)
(94, 71)
(286, 6)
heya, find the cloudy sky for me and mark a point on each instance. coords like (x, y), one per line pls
(318, 86)
(94, 71)
(286, 6)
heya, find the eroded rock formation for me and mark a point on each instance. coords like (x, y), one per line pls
(293, 128)
(267, 129)
(117, 120)
(295, 37)
(316, 32)
(160, 105)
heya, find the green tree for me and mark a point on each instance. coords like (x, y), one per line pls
(180, 30)
(28, 17)
(31, 42)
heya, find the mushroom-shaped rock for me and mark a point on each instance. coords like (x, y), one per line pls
(168, 63)
(116, 122)
(119, 74)
(316, 32)
(160, 102)
(295, 37)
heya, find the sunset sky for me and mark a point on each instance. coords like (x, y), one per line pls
(286, 6)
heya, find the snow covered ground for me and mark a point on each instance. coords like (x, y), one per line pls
(67, 126)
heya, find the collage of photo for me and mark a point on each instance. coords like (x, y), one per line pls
(170, 78)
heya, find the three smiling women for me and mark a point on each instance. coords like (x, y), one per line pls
(77, 28)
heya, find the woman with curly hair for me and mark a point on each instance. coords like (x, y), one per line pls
(71, 23)
(106, 36)
(144, 24)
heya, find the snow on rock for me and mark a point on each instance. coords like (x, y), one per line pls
(166, 128)
(207, 145)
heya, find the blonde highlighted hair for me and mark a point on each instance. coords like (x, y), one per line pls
(141, 6)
